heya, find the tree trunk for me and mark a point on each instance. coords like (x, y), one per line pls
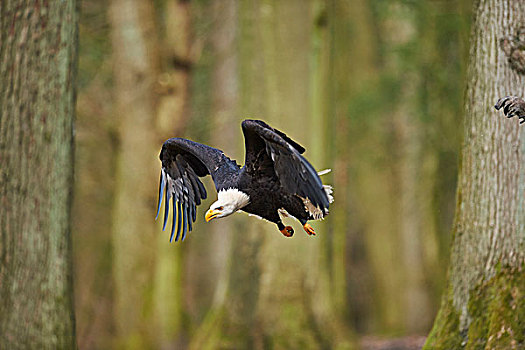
(296, 307)
(230, 322)
(94, 182)
(483, 306)
(273, 296)
(225, 119)
(444, 35)
(171, 120)
(135, 72)
(401, 40)
(38, 61)
(350, 274)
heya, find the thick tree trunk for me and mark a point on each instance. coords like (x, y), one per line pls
(135, 72)
(38, 59)
(484, 303)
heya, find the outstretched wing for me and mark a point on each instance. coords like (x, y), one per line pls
(513, 106)
(266, 145)
(183, 162)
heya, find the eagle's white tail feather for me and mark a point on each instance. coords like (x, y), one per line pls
(329, 190)
(314, 211)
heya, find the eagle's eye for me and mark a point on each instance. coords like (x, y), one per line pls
(220, 208)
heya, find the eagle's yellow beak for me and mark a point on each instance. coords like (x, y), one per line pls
(211, 214)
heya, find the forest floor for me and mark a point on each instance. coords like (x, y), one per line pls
(405, 343)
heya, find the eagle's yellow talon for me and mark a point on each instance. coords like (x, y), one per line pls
(309, 229)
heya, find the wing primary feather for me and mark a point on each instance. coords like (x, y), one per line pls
(195, 188)
(319, 196)
(190, 217)
(161, 191)
(179, 222)
(166, 208)
(202, 189)
(184, 225)
(310, 193)
(193, 180)
(173, 219)
(183, 163)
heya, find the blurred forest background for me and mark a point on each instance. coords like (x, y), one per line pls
(374, 91)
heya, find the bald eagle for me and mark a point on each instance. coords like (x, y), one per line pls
(513, 106)
(276, 180)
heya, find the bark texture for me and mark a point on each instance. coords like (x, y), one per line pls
(38, 61)
(483, 306)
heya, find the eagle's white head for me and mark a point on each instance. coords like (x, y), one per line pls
(228, 202)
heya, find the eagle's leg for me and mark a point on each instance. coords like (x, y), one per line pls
(308, 228)
(285, 230)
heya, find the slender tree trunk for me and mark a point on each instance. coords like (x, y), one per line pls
(94, 182)
(401, 41)
(272, 295)
(296, 306)
(350, 275)
(135, 72)
(365, 207)
(225, 119)
(231, 321)
(483, 306)
(172, 119)
(38, 59)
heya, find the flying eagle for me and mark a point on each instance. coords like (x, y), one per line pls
(513, 106)
(276, 180)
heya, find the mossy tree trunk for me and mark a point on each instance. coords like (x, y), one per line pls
(38, 61)
(134, 236)
(483, 306)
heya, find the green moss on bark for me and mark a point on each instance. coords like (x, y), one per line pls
(445, 333)
(497, 310)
